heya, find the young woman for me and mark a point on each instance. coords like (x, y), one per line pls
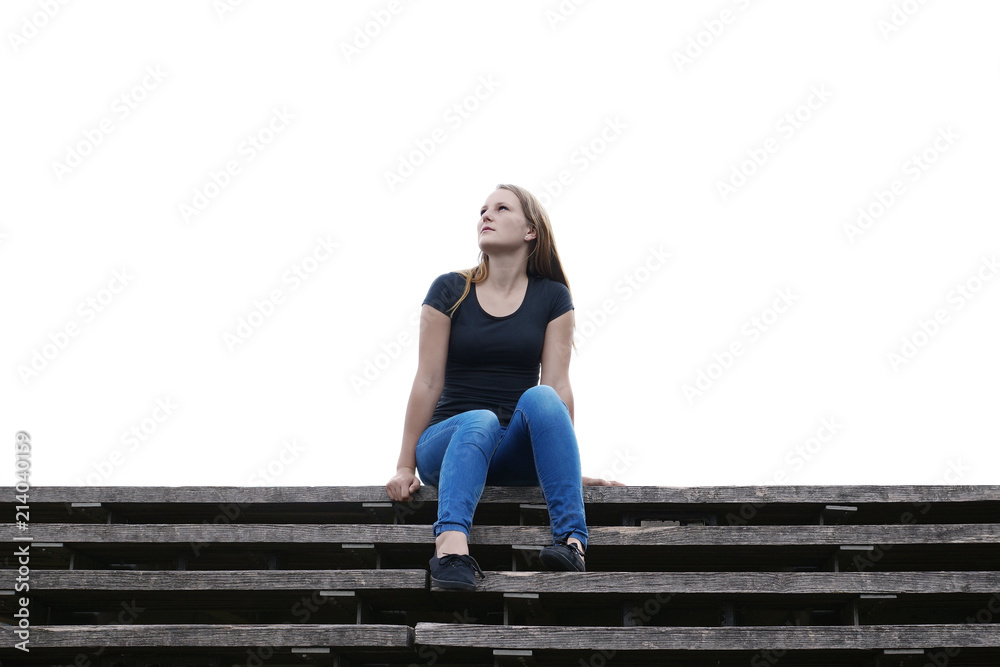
(478, 413)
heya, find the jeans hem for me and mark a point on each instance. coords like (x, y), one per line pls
(441, 527)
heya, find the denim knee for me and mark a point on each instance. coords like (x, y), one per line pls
(543, 394)
(543, 402)
(483, 418)
(482, 429)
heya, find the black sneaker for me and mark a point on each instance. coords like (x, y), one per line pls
(455, 572)
(563, 556)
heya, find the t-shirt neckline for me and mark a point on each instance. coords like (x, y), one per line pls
(524, 300)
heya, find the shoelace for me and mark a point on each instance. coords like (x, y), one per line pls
(564, 541)
(456, 560)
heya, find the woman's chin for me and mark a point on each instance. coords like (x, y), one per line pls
(488, 247)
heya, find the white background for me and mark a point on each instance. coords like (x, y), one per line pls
(284, 406)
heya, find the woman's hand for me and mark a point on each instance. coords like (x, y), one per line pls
(402, 484)
(596, 481)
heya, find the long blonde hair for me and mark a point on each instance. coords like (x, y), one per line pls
(543, 260)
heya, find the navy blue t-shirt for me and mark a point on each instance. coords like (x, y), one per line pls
(493, 360)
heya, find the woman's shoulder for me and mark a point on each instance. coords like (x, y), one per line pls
(451, 283)
(552, 296)
(550, 285)
(450, 277)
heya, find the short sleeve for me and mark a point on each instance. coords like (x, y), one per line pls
(441, 295)
(561, 300)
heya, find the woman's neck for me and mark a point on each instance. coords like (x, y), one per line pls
(506, 277)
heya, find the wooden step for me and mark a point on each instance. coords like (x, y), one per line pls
(599, 536)
(653, 638)
(790, 583)
(223, 580)
(209, 635)
(646, 495)
(748, 583)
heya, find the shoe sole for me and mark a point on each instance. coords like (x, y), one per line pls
(557, 563)
(452, 585)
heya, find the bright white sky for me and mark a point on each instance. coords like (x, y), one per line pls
(169, 167)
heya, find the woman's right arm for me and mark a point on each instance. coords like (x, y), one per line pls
(435, 330)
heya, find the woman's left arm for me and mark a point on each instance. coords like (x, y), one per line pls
(555, 357)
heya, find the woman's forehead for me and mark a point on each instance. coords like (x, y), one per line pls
(502, 197)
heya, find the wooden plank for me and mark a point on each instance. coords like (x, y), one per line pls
(516, 494)
(204, 636)
(726, 638)
(741, 582)
(602, 536)
(231, 580)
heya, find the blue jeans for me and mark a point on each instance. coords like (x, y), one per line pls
(462, 454)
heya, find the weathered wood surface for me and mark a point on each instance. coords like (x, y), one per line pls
(221, 580)
(708, 638)
(806, 583)
(722, 536)
(979, 582)
(511, 494)
(198, 635)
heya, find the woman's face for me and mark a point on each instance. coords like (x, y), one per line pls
(502, 224)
